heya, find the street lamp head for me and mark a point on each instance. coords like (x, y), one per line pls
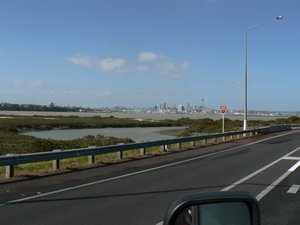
(279, 17)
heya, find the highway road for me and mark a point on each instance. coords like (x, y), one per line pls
(139, 192)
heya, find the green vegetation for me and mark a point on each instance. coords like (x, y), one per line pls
(214, 126)
(12, 141)
(19, 123)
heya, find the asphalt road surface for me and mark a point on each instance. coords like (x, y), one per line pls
(139, 192)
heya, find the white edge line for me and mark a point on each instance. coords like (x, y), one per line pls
(250, 176)
(149, 170)
(273, 185)
(294, 167)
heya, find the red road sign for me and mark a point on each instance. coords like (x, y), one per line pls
(223, 109)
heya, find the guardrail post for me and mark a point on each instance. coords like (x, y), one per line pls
(142, 151)
(205, 142)
(56, 162)
(163, 148)
(193, 143)
(9, 169)
(179, 145)
(230, 137)
(120, 155)
(91, 158)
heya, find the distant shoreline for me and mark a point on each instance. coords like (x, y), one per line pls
(138, 116)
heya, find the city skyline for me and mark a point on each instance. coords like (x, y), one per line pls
(163, 108)
(138, 53)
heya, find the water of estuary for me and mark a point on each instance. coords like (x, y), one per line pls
(138, 134)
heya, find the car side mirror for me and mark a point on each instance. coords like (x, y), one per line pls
(214, 208)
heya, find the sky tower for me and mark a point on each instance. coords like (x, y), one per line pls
(202, 103)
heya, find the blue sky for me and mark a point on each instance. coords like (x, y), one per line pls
(134, 53)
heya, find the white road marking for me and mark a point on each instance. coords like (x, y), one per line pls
(292, 158)
(250, 175)
(148, 170)
(258, 171)
(273, 185)
(276, 182)
(294, 167)
(294, 189)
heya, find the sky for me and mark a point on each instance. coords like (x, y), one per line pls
(140, 53)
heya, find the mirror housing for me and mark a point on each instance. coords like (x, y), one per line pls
(214, 208)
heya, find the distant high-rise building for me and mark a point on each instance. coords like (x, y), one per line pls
(165, 106)
(202, 103)
(188, 107)
(180, 108)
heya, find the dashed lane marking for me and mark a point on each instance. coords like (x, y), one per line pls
(292, 158)
(276, 182)
(294, 189)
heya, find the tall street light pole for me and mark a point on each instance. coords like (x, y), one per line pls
(246, 62)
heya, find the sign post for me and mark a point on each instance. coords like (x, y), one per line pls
(223, 121)
(223, 110)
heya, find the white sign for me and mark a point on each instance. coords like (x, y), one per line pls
(223, 109)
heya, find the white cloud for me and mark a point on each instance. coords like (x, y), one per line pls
(146, 61)
(80, 60)
(167, 69)
(162, 64)
(106, 65)
(112, 65)
(148, 57)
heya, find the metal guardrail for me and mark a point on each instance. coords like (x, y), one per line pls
(295, 125)
(10, 160)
